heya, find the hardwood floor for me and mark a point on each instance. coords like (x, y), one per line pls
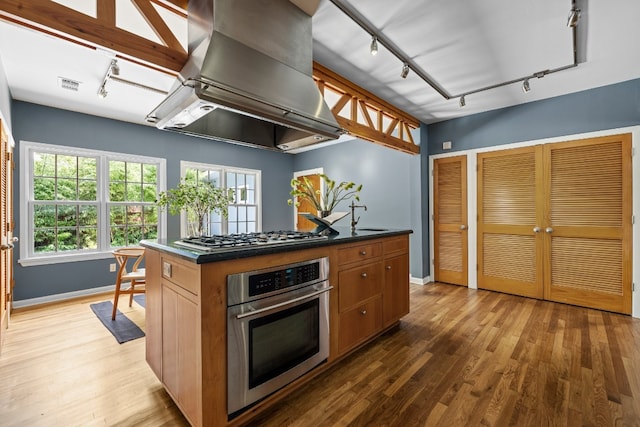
(461, 357)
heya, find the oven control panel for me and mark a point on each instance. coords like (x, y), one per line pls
(262, 283)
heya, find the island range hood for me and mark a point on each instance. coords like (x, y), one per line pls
(248, 77)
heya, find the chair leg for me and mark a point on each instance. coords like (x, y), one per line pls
(115, 299)
(132, 289)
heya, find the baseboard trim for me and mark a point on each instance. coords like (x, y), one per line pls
(419, 280)
(62, 297)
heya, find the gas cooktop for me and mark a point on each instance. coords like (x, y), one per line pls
(243, 240)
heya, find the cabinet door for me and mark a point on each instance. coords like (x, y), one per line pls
(510, 222)
(450, 220)
(395, 296)
(179, 351)
(359, 323)
(153, 312)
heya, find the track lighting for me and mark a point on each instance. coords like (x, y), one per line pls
(115, 68)
(405, 71)
(525, 86)
(374, 46)
(574, 16)
(102, 92)
(462, 101)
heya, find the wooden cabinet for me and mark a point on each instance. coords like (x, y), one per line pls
(373, 288)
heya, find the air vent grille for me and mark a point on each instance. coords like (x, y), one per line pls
(68, 84)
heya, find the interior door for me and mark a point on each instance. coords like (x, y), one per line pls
(510, 189)
(450, 220)
(302, 223)
(588, 223)
(6, 230)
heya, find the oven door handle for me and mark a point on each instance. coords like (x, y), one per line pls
(283, 304)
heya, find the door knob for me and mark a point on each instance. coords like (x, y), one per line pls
(548, 230)
(5, 246)
(463, 227)
(364, 275)
(537, 229)
(14, 239)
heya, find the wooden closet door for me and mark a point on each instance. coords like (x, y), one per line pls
(450, 220)
(303, 224)
(6, 230)
(588, 216)
(510, 184)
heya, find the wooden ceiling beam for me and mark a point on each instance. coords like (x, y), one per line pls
(99, 31)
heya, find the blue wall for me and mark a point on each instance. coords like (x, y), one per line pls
(391, 186)
(607, 107)
(37, 123)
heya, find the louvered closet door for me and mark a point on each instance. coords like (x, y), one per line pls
(588, 239)
(450, 220)
(509, 237)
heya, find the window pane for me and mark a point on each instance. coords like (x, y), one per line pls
(231, 180)
(251, 197)
(117, 237)
(134, 215)
(251, 182)
(233, 213)
(134, 192)
(88, 190)
(215, 228)
(116, 191)
(242, 227)
(88, 215)
(44, 240)
(44, 164)
(116, 171)
(233, 228)
(150, 174)
(67, 239)
(251, 227)
(150, 214)
(151, 232)
(242, 213)
(67, 189)
(87, 168)
(44, 216)
(67, 216)
(252, 213)
(67, 167)
(134, 172)
(134, 235)
(149, 193)
(88, 238)
(117, 215)
(44, 189)
(191, 176)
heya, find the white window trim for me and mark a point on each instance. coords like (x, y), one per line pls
(184, 165)
(26, 190)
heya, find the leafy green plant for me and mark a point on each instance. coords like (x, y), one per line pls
(199, 200)
(323, 201)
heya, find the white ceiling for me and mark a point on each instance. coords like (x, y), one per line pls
(463, 46)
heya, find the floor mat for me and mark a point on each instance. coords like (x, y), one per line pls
(123, 329)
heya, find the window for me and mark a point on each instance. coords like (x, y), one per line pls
(80, 204)
(244, 212)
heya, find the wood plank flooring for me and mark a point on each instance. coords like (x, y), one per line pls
(461, 357)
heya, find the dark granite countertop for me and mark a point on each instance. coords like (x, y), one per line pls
(200, 257)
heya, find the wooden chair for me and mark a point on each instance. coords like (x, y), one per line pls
(135, 276)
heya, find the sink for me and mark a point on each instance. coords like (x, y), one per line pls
(373, 229)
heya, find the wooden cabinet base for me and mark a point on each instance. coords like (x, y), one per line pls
(187, 312)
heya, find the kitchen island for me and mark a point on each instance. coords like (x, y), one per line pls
(187, 303)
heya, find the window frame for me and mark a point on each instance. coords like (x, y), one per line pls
(27, 255)
(185, 164)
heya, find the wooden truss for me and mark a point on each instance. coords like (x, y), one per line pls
(358, 111)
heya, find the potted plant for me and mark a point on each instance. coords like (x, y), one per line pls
(198, 200)
(323, 201)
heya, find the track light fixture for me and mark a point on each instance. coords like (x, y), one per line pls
(462, 101)
(374, 46)
(525, 86)
(102, 92)
(113, 70)
(405, 70)
(574, 17)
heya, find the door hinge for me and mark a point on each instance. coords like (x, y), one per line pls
(633, 219)
(477, 267)
(633, 287)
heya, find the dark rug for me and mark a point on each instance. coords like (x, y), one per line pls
(140, 299)
(123, 329)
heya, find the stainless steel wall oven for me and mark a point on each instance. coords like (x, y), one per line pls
(277, 328)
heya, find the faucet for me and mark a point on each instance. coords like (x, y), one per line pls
(353, 220)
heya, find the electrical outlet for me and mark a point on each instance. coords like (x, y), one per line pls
(446, 145)
(112, 267)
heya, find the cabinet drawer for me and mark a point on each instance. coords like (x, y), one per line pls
(398, 244)
(359, 283)
(363, 252)
(360, 323)
(181, 273)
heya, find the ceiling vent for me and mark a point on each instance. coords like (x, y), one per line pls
(68, 84)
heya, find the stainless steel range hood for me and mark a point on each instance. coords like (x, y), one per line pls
(248, 77)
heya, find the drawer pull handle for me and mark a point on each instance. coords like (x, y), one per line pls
(363, 253)
(364, 275)
(388, 267)
(363, 312)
